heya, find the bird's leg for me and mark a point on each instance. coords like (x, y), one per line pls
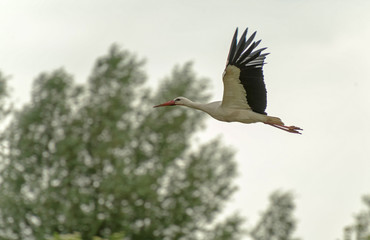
(291, 129)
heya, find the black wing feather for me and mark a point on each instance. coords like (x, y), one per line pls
(241, 45)
(246, 53)
(232, 47)
(250, 39)
(250, 62)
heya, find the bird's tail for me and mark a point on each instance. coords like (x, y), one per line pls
(274, 120)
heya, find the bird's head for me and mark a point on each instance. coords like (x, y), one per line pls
(177, 101)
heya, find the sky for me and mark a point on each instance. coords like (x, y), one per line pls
(317, 78)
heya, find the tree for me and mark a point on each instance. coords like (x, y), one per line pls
(360, 229)
(77, 236)
(5, 109)
(277, 222)
(98, 159)
(4, 94)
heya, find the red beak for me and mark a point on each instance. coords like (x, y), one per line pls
(169, 103)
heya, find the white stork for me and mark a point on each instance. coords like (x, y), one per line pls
(244, 98)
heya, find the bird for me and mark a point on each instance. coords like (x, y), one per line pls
(244, 94)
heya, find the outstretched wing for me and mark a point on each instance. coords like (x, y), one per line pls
(244, 87)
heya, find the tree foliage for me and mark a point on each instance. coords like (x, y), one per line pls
(5, 110)
(277, 221)
(4, 94)
(360, 229)
(98, 159)
(77, 236)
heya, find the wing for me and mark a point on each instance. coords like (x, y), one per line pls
(243, 77)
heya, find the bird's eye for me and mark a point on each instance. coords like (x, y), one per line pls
(177, 99)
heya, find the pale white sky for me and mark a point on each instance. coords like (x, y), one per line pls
(318, 78)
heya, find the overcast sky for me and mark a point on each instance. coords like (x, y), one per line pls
(318, 78)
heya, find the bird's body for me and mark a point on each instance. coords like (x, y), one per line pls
(244, 98)
(225, 114)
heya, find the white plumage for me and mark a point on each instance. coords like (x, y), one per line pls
(244, 98)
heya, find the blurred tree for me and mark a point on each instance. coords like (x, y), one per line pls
(77, 236)
(277, 222)
(98, 159)
(4, 94)
(74, 236)
(5, 110)
(360, 229)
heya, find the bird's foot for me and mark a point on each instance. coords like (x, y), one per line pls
(291, 129)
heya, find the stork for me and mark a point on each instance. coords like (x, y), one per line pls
(244, 97)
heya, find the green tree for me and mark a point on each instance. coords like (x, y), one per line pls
(5, 110)
(98, 159)
(277, 222)
(360, 229)
(77, 236)
(4, 94)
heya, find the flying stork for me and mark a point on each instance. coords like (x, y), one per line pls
(244, 97)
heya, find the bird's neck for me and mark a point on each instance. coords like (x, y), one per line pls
(196, 105)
